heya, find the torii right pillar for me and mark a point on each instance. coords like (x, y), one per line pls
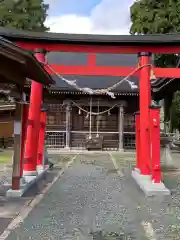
(148, 134)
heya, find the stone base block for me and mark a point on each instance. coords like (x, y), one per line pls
(30, 178)
(148, 187)
(15, 193)
(39, 168)
(27, 185)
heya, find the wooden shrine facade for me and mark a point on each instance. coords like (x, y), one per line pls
(68, 126)
(17, 66)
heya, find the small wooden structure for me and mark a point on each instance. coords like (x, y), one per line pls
(17, 68)
(17, 65)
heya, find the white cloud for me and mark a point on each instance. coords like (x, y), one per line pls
(70, 24)
(108, 17)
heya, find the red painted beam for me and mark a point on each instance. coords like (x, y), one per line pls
(167, 72)
(91, 70)
(110, 71)
(98, 48)
(92, 59)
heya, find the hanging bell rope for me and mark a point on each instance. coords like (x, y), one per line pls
(94, 113)
(79, 112)
(152, 74)
(97, 130)
(90, 119)
(87, 116)
(107, 91)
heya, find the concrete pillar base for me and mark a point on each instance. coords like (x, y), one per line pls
(29, 175)
(29, 178)
(148, 187)
(137, 170)
(27, 185)
(14, 193)
(39, 168)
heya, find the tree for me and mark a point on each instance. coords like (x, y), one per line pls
(158, 17)
(23, 14)
(154, 16)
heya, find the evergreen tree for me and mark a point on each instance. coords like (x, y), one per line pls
(159, 17)
(154, 16)
(23, 14)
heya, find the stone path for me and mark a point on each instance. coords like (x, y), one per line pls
(10, 207)
(163, 212)
(89, 197)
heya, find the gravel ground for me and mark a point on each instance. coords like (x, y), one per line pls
(6, 169)
(5, 176)
(164, 212)
(90, 196)
(9, 207)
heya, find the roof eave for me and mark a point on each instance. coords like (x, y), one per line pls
(119, 40)
(29, 59)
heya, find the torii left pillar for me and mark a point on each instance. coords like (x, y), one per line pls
(33, 128)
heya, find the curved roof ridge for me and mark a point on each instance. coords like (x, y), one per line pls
(155, 39)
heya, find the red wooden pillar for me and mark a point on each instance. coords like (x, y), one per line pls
(40, 159)
(31, 146)
(137, 122)
(24, 121)
(145, 102)
(155, 143)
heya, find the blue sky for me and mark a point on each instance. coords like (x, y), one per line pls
(59, 7)
(89, 16)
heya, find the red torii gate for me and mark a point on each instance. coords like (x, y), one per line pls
(148, 173)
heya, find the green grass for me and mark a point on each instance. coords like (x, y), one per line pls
(61, 159)
(6, 157)
(124, 156)
(124, 160)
